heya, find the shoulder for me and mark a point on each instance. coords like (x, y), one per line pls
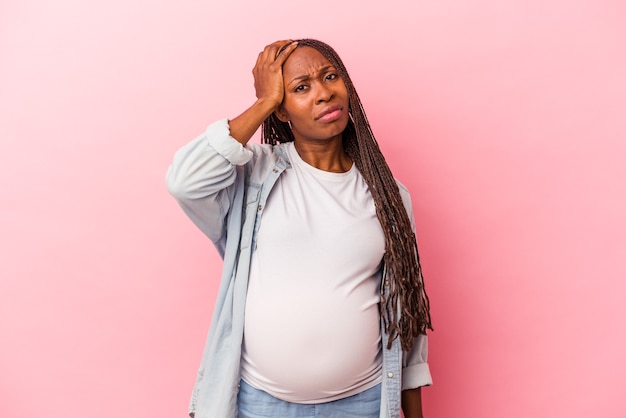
(403, 189)
(266, 152)
(406, 196)
(265, 159)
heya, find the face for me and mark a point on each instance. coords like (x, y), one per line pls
(316, 98)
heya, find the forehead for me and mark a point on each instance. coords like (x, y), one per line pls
(304, 60)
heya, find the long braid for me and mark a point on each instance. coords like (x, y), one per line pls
(405, 308)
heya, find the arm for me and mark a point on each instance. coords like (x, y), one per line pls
(269, 86)
(203, 171)
(202, 174)
(412, 403)
(415, 375)
(415, 370)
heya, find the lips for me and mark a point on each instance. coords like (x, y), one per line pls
(330, 113)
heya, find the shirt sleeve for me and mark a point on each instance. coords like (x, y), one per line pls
(218, 136)
(415, 369)
(202, 174)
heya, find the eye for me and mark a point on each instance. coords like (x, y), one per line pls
(331, 76)
(299, 88)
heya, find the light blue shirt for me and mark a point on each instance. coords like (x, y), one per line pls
(222, 187)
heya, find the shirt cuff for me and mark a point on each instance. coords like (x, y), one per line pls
(416, 376)
(218, 134)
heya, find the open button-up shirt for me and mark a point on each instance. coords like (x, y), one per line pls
(222, 187)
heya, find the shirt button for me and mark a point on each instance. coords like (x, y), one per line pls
(260, 208)
(389, 374)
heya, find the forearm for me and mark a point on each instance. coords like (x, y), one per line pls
(245, 125)
(269, 86)
(412, 403)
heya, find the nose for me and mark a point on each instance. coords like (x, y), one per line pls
(324, 93)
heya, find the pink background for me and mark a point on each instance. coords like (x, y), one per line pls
(505, 119)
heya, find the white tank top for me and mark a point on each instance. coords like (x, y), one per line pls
(312, 323)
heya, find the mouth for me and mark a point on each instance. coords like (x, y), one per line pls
(330, 113)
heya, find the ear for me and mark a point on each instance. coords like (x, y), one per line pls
(281, 114)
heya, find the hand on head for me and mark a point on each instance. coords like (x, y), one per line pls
(268, 71)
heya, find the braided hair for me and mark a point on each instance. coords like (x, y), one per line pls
(405, 307)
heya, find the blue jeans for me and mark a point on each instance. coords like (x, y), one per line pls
(254, 403)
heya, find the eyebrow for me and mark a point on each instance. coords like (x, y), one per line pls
(307, 77)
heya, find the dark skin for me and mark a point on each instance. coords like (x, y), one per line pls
(412, 403)
(301, 87)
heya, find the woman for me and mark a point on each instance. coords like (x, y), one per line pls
(318, 248)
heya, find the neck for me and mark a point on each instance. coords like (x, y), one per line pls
(327, 156)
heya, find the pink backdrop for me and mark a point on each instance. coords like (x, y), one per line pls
(506, 120)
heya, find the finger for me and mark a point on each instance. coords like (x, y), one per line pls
(281, 42)
(285, 51)
(268, 57)
(274, 47)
